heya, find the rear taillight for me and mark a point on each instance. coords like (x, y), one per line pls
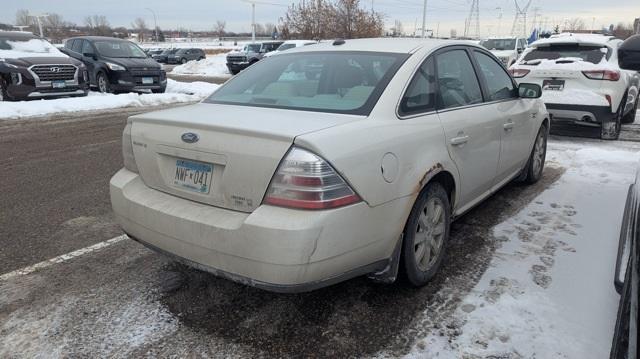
(518, 73)
(306, 181)
(609, 75)
(127, 150)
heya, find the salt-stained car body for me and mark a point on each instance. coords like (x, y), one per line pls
(584, 89)
(330, 161)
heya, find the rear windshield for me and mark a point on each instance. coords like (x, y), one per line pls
(499, 44)
(339, 82)
(588, 53)
(119, 49)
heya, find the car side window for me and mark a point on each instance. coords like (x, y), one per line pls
(498, 82)
(86, 47)
(420, 96)
(457, 80)
(69, 44)
(77, 46)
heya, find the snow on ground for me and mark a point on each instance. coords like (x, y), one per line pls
(548, 292)
(176, 92)
(211, 66)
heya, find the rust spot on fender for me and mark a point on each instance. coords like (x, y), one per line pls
(428, 175)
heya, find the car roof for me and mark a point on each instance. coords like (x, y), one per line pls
(573, 38)
(18, 35)
(390, 45)
(96, 38)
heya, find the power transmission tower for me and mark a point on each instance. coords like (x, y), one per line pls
(519, 27)
(472, 25)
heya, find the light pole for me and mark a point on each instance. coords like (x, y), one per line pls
(499, 20)
(40, 22)
(424, 18)
(155, 22)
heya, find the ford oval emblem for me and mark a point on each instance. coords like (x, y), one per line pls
(190, 137)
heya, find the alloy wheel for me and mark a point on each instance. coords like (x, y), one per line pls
(430, 233)
(538, 153)
(102, 84)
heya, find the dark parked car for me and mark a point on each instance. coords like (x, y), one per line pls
(183, 56)
(30, 67)
(250, 54)
(162, 56)
(627, 273)
(116, 65)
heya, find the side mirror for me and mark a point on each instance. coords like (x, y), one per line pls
(629, 54)
(89, 55)
(526, 90)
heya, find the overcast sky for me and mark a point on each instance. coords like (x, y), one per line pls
(442, 15)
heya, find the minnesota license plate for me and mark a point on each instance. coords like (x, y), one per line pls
(147, 80)
(193, 176)
(58, 84)
(553, 85)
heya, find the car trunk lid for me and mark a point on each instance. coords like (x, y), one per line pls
(232, 161)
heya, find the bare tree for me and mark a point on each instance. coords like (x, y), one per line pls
(98, 25)
(23, 18)
(324, 19)
(575, 23)
(219, 27)
(141, 27)
(623, 31)
(269, 27)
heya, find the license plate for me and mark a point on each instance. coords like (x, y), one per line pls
(58, 84)
(147, 80)
(193, 176)
(553, 85)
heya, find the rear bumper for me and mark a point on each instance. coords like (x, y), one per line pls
(579, 119)
(274, 248)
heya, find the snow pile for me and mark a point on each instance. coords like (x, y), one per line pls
(177, 92)
(31, 48)
(211, 66)
(548, 292)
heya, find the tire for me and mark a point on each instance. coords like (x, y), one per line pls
(631, 116)
(3, 91)
(234, 72)
(617, 123)
(426, 232)
(183, 61)
(102, 82)
(535, 164)
(620, 344)
(159, 90)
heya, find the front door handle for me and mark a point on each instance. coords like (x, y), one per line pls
(459, 141)
(508, 126)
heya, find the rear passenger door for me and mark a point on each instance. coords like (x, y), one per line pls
(471, 127)
(513, 113)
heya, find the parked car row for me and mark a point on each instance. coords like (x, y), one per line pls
(32, 68)
(252, 53)
(584, 89)
(177, 55)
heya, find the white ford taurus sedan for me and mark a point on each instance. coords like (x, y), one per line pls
(329, 162)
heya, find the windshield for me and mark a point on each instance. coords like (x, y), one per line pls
(575, 52)
(119, 49)
(286, 47)
(252, 48)
(499, 44)
(344, 82)
(21, 47)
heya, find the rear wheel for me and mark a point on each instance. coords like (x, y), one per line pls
(426, 234)
(183, 60)
(611, 129)
(103, 83)
(3, 95)
(631, 116)
(535, 165)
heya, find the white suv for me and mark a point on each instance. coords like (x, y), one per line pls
(584, 89)
(330, 161)
(507, 49)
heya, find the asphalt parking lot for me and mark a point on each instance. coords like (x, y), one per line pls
(122, 300)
